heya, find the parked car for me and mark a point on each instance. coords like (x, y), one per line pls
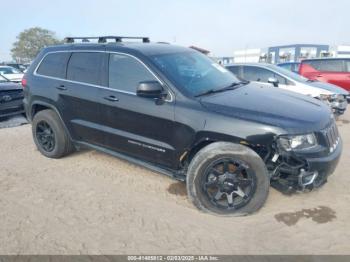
(175, 111)
(20, 67)
(329, 70)
(291, 66)
(11, 96)
(11, 73)
(271, 75)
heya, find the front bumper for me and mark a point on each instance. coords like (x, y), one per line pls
(312, 172)
(11, 108)
(339, 107)
(323, 166)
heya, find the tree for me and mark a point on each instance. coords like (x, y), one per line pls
(30, 42)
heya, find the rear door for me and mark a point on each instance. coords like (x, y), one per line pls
(86, 73)
(137, 126)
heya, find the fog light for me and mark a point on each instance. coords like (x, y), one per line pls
(306, 178)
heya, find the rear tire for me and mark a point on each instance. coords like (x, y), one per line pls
(237, 187)
(50, 136)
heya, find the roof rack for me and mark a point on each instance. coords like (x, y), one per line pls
(103, 39)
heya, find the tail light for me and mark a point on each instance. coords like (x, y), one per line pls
(24, 82)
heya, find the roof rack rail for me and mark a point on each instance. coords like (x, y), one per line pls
(103, 39)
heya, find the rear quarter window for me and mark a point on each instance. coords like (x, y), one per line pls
(54, 65)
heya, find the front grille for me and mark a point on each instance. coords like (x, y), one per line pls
(14, 94)
(332, 136)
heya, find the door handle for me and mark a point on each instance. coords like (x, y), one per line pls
(111, 98)
(319, 76)
(61, 87)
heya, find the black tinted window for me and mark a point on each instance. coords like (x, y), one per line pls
(86, 68)
(327, 65)
(125, 73)
(54, 65)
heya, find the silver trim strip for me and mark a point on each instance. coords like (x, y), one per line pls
(98, 86)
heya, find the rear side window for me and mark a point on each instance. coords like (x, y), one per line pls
(54, 65)
(86, 67)
(327, 65)
(125, 73)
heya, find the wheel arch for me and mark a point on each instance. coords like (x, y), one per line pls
(206, 139)
(38, 106)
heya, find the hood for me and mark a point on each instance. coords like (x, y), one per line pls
(9, 86)
(329, 87)
(272, 106)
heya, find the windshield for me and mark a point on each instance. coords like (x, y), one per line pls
(194, 72)
(9, 70)
(288, 73)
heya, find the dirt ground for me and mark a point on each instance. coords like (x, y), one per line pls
(92, 203)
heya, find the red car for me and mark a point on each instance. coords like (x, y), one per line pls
(331, 70)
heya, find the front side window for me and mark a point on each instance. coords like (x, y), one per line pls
(193, 72)
(125, 73)
(237, 71)
(54, 65)
(86, 68)
(257, 74)
(234, 70)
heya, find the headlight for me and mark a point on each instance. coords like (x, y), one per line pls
(299, 142)
(325, 97)
(333, 97)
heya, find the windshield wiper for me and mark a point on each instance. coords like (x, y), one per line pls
(6, 79)
(227, 88)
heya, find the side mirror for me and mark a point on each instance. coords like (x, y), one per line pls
(273, 81)
(150, 89)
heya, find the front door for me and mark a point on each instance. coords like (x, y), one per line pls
(137, 126)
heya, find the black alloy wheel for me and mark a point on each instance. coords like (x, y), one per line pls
(229, 183)
(45, 136)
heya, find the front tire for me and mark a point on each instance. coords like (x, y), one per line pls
(227, 179)
(50, 136)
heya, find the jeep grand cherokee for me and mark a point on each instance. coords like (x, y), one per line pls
(175, 111)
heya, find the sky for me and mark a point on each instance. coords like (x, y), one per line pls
(220, 26)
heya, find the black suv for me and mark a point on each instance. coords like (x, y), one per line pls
(175, 111)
